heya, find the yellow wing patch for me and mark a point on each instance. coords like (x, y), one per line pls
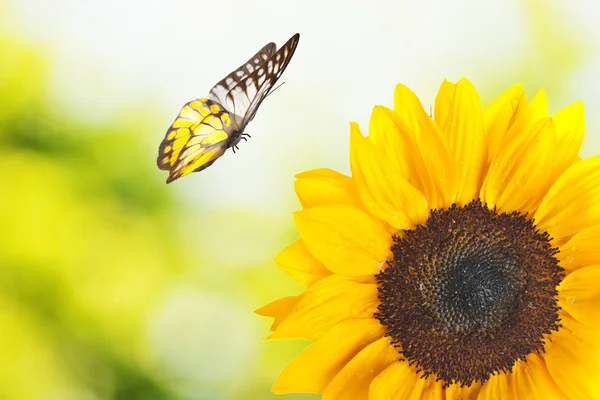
(199, 135)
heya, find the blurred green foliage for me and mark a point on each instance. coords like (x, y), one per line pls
(82, 251)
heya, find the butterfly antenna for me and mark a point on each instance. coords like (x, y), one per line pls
(273, 91)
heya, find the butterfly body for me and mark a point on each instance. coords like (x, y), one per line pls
(206, 127)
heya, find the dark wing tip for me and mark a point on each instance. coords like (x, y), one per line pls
(161, 164)
(172, 178)
(293, 41)
(269, 48)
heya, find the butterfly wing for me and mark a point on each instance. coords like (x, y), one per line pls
(198, 136)
(244, 99)
(219, 92)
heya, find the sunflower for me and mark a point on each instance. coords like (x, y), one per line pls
(461, 260)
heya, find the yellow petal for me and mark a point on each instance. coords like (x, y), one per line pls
(570, 128)
(499, 116)
(346, 240)
(530, 113)
(443, 102)
(431, 143)
(456, 392)
(573, 203)
(325, 186)
(525, 114)
(538, 107)
(381, 187)
(313, 369)
(392, 137)
(573, 360)
(429, 390)
(296, 261)
(278, 309)
(581, 250)
(519, 174)
(417, 388)
(497, 387)
(531, 380)
(411, 112)
(396, 382)
(579, 294)
(463, 127)
(387, 139)
(528, 380)
(353, 381)
(324, 304)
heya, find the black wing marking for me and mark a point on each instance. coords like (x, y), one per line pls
(219, 92)
(244, 99)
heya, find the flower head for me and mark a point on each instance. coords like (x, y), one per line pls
(459, 261)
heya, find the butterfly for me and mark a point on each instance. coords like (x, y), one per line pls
(206, 127)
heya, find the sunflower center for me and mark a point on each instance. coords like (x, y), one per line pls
(470, 293)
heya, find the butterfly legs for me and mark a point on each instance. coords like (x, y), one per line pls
(244, 136)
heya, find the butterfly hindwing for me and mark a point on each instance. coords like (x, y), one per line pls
(197, 137)
(219, 92)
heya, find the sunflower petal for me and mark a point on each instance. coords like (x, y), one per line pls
(428, 389)
(325, 186)
(530, 113)
(538, 107)
(581, 250)
(521, 168)
(313, 369)
(346, 240)
(573, 203)
(278, 309)
(408, 107)
(572, 359)
(499, 116)
(431, 144)
(570, 127)
(497, 387)
(354, 379)
(384, 135)
(296, 261)
(456, 392)
(381, 187)
(579, 294)
(463, 126)
(526, 114)
(396, 382)
(443, 102)
(324, 304)
(532, 379)
(387, 124)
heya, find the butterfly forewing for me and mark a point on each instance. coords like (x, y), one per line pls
(219, 92)
(197, 137)
(245, 98)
